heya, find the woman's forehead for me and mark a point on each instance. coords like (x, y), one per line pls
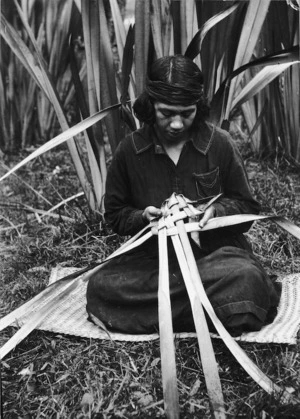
(173, 108)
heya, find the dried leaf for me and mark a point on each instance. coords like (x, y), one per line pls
(195, 387)
(155, 362)
(145, 400)
(28, 371)
(87, 400)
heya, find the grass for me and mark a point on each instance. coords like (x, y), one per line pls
(55, 376)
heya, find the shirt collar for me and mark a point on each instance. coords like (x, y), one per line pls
(145, 138)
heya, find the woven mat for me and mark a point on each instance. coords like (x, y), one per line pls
(70, 317)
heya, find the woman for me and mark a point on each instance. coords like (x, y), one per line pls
(176, 150)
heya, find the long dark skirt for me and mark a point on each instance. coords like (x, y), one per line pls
(123, 293)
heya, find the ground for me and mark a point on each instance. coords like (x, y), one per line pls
(56, 376)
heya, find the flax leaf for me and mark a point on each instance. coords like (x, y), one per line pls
(230, 220)
(195, 45)
(191, 274)
(142, 38)
(232, 345)
(220, 97)
(118, 27)
(39, 70)
(262, 79)
(36, 319)
(108, 90)
(254, 19)
(156, 27)
(167, 350)
(64, 136)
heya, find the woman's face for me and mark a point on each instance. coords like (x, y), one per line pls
(173, 122)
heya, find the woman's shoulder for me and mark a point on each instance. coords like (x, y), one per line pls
(218, 132)
(137, 141)
(221, 138)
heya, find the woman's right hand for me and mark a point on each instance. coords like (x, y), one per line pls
(151, 212)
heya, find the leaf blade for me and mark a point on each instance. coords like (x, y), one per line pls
(262, 79)
(255, 16)
(167, 350)
(64, 136)
(195, 45)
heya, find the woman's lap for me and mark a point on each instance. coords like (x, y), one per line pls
(123, 294)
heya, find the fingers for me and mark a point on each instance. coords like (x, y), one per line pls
(208, 214)
(151, 212)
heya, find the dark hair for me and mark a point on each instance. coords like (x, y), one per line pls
(175, 80)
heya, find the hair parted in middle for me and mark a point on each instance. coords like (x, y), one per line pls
(174, 80)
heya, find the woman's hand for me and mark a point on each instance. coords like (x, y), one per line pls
(151, 212)
(208, 214)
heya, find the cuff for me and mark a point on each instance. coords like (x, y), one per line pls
(136, 221)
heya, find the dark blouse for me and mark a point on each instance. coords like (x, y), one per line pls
(142, 174)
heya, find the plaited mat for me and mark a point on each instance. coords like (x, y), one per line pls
(69, 316)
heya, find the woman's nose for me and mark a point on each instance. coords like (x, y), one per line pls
(176, 123)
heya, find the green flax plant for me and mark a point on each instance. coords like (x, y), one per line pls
(57, 20)
(17, 101)
(27, 115)
(272, 116)
(224, 38)
(253, 33)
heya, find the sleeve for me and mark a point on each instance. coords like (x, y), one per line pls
(237, 198)
(120, 214)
